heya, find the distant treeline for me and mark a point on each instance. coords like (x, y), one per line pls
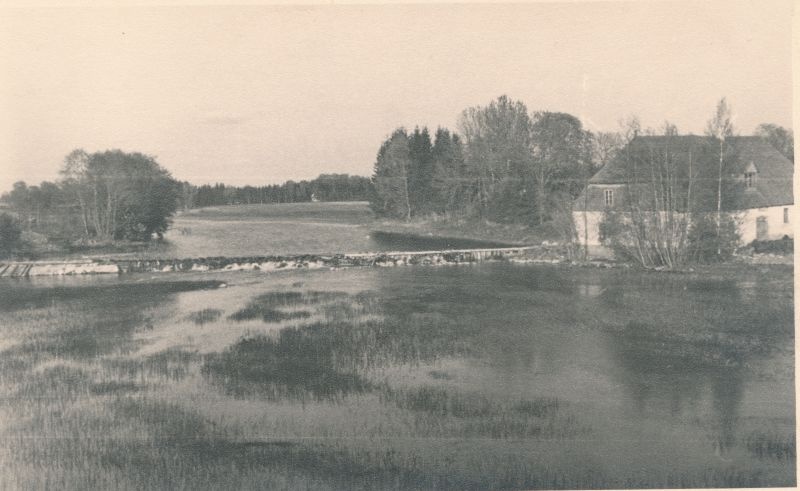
(326, 187)
(116, 195)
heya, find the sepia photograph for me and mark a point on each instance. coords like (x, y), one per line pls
(397, 246)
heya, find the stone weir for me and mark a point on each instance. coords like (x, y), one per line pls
(262, 263)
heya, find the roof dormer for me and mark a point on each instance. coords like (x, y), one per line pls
(750, 176)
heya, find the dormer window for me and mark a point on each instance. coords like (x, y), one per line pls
(750, 176)
(749, 179)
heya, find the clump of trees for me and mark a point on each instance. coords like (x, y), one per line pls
(100, 196)
(780, 138)
(10, 234)
(120, 195)
(504, 164)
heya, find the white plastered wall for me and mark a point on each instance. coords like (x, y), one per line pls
(776, 227)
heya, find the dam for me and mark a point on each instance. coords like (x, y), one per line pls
(23, 269)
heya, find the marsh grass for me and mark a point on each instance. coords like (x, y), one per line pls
(293, 365)
(265, 306)
(450, 412)
(771, 445)
(173, 364)
(442, 402)
(114, 387)
(278, 316)
(204, 316)
(391, 388)
(439, 375)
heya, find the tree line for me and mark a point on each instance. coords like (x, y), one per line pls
(326, 187)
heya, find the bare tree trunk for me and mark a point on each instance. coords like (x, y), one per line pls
(719, 194)
(586, 221)
(109, 211)
(688, 212)
(84, 219)
(541, 198)
(408, 202)
(96, 213)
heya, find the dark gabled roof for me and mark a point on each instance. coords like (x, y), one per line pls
(774, 179)
(615, 172)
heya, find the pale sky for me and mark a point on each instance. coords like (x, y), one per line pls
(258, 95)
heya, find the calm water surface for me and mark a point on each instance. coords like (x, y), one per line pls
(456, 377)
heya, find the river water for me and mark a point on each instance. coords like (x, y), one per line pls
(454, 377)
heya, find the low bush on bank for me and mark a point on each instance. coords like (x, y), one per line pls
(669, 240)
(10, 235)
(711, 243)
(780, 246)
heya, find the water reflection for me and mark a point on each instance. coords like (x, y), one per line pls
(665, 387)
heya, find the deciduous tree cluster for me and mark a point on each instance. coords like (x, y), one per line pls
(504, 164)
(104, 195)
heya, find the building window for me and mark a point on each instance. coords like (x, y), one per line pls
(786, 215)
(609, 196)
(749, 179)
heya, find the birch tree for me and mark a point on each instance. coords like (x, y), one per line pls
(719, 128)
(74, 180)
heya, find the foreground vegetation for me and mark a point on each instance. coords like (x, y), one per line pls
(451, 378)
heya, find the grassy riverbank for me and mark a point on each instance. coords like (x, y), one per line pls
(474, 229)
(318, 229)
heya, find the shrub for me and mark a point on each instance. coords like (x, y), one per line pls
(10, 233)
(615, 234)
(706, 245)
(784, 245)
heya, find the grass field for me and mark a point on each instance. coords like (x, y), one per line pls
(300, 228)
(350, 212)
